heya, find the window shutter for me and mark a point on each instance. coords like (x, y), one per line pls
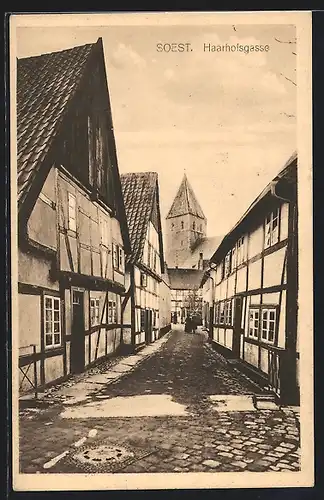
(121, 259)
(115, 256)
(143, 279)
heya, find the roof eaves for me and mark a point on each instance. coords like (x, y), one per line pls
(266, 191)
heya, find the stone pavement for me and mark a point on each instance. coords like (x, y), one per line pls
(182, 409)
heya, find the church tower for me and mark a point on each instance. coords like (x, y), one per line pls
(186, 224)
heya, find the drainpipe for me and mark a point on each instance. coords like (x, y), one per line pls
(273, 192)
(288, 377)
(213, 287)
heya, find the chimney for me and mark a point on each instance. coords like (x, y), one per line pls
(201, 262)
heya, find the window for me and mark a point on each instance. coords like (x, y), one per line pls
(268, 324)
(72, 211)
(216, 314)
(118, 258)
(221, 313)
(52, 321)
(200, 228)
(142, 319)
(121, 259)
(272, 229)
(94, 312)
(228, 313)
(254, 318)
(155, 256)
(143, 279)
(182, 224)
(112, 312)
(194, 225)
(240, 251)
(228, 264)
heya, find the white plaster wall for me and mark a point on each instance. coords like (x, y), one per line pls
(254, 275)
(273, 267)
(255, 242)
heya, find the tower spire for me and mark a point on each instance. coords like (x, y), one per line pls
(186, 224)
(185, 201)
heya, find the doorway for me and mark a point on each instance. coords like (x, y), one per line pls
(148, 325)
(237, 330)
(77, 343)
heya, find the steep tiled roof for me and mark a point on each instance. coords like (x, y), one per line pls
(185, 279)
(185, 201)
(45, 86)
(138, 190)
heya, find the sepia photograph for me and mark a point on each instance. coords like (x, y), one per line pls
(161, 248)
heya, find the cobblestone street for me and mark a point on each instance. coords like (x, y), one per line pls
(180, 430)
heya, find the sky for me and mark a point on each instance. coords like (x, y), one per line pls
(226, 119)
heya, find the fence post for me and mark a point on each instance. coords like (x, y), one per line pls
(35, 371)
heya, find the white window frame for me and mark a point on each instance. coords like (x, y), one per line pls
(94, 311)
(143, 280)
(268, 324)
(228, 264)
(216, 313)
(118, 257)
(142, 320)
(112, 312)
(72, 212)
(51, 332)
(254, 322)
(228, 313)
(121, 258)
(271, 233)
(240, 250)
(221, 317)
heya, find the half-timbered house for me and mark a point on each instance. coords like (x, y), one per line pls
(186, 294)
(145, 264)
(251, 288)
(72, 222)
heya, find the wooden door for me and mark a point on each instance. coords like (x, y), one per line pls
(77, 343)
(237, 326)
(148, 325)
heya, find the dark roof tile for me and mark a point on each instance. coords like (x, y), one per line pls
(45, 85)
(185, 202)
(138, 192)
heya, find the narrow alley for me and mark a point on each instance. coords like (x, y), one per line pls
(176, 407)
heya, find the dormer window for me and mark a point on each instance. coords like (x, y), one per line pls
(272, 228)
